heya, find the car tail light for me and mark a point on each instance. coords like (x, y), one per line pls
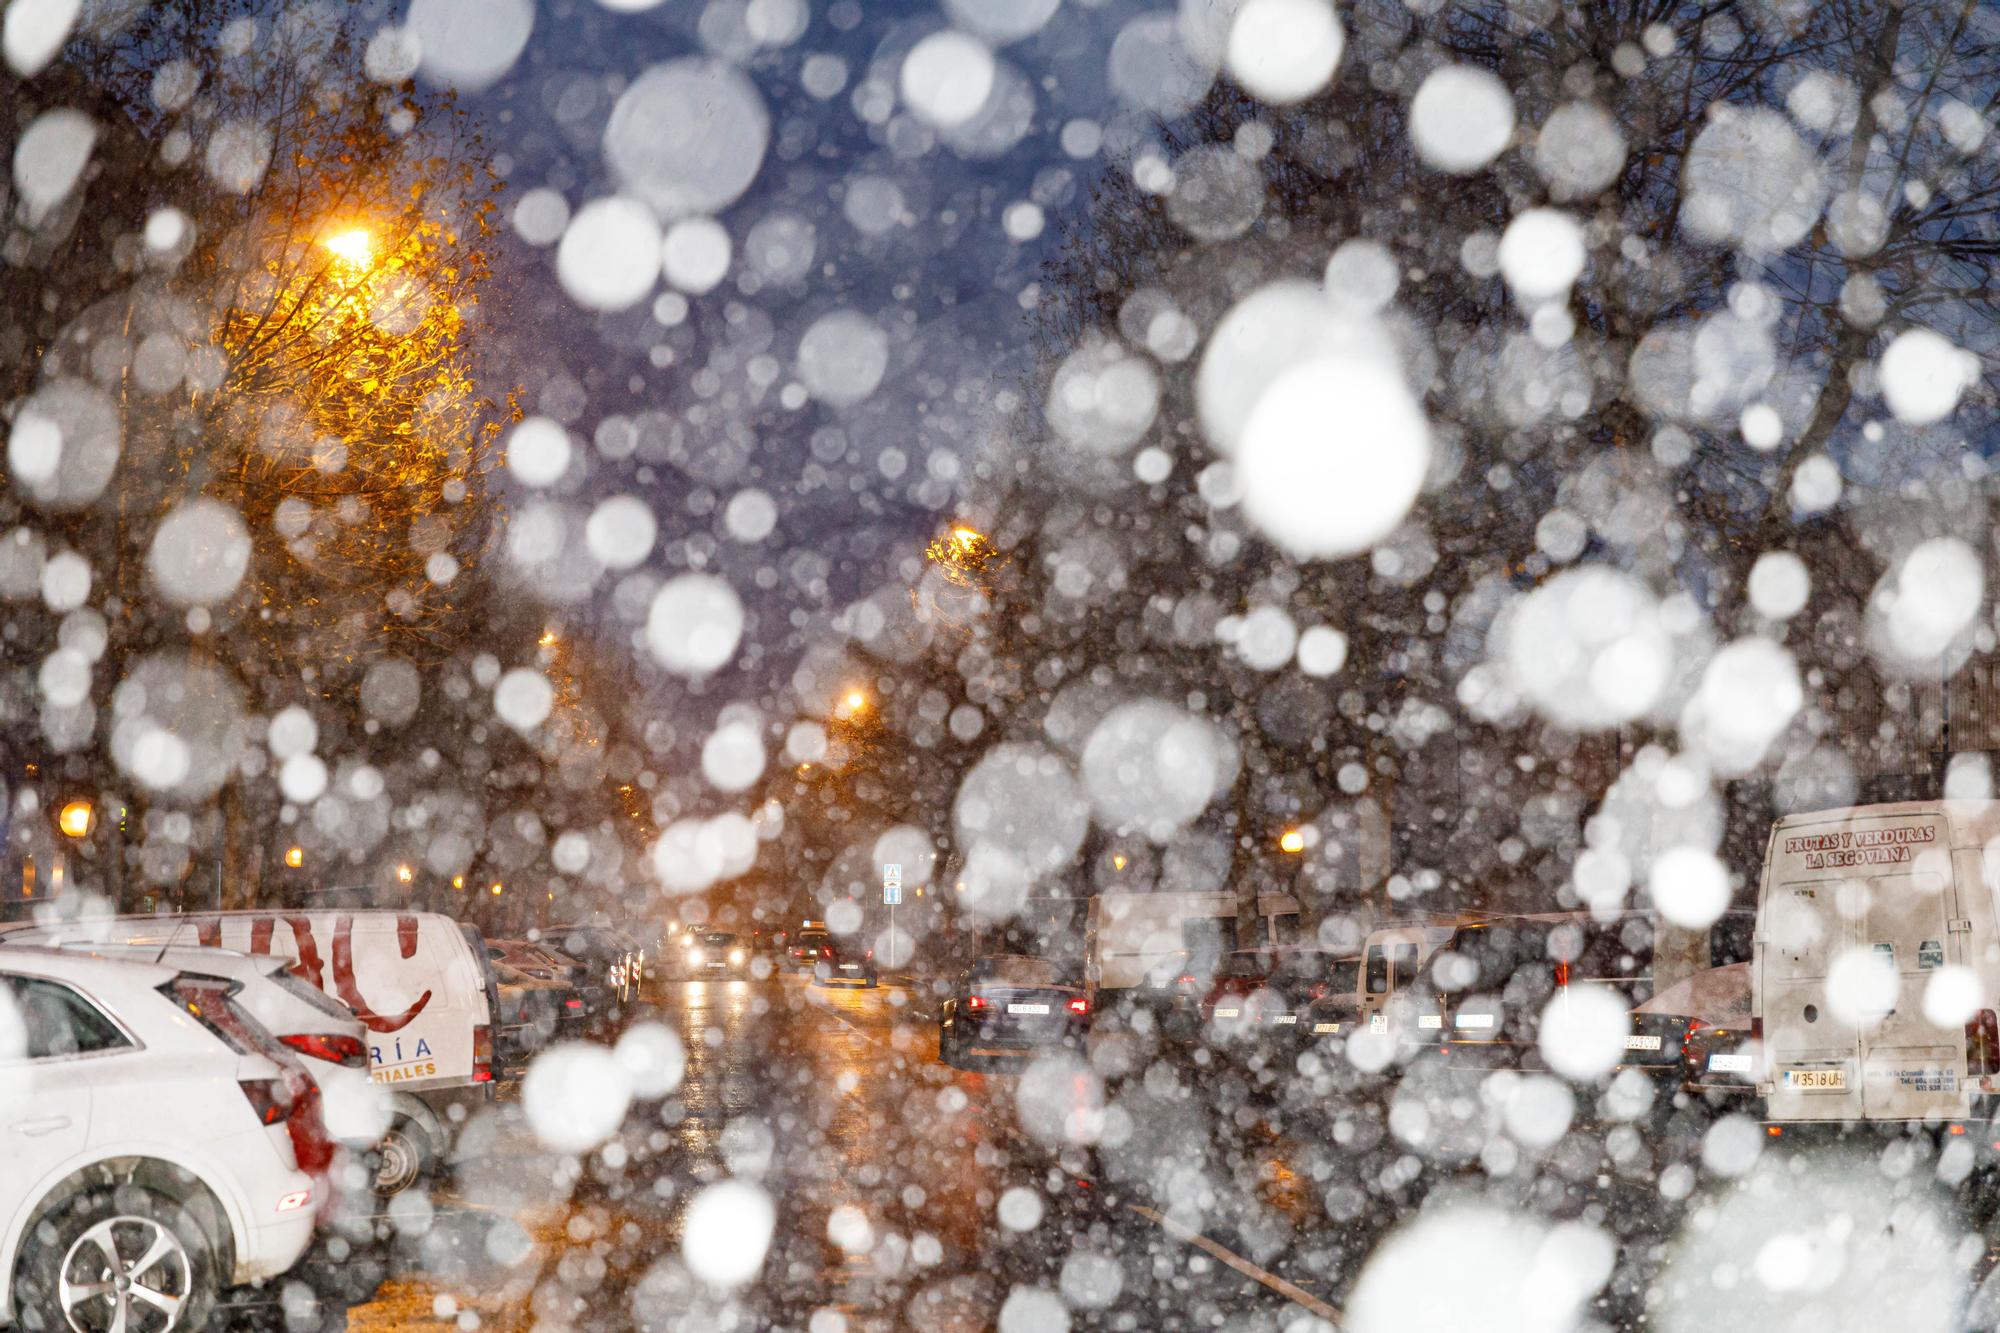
(1185, 982)
(826, 951)
(572, 1003)
(1079, 1005)
(1982, 1044)
(270, 1101)
(336, 1048)
(312, 1147)
(975, 1002)
(871, 953)
(1562, 975)
(482, 1054)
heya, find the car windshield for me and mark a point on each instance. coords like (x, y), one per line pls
(766, 516)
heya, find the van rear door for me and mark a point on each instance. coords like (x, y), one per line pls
(1814, 1054)
(1910, 1067)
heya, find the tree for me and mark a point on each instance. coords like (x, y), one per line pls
(1763, 202)
(287, 381)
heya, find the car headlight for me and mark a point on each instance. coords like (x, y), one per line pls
(694, 956)
(736, 957)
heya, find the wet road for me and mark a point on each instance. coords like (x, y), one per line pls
(909, 1195)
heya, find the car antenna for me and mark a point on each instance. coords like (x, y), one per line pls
(166, 943)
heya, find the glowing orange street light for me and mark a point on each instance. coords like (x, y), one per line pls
(404, 873)
(295, 857)
(856, 700)
(548, 638)
(1293, 841)
(458, 881)
(76, 818)
(355, 246)
(496, 890)
(1118, 861)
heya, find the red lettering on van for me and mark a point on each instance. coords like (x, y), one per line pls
(343, 974)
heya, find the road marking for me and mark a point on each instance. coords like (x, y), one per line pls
(1291, 1292)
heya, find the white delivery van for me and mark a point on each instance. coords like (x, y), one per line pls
(1146, 940)
(1390, 959)
(1858, 910)
(419, 982)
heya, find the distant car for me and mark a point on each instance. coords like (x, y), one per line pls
(804, 950)
(844, 958)
(151, 1157)
(717, 953)
(1014, 1002)
(615, 958)
(534, 1011)
(1265, 994)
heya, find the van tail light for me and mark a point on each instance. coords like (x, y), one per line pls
(482, 1054)
(1185, 981)
(1562, 975)
(826, 951)
(1982, 1044)
(871, 953)
(336, 1048)
(975, 1002)
(572, 1003)
(1079, 1005)
(270, 1101)
(1757, 1028)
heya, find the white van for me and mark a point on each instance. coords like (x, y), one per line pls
(1390, 958)
(1134, 940)
(419, 982)
(1858, 911)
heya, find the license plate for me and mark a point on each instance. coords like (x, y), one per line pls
(1817, 1080)
(1227, 1013)
(1729, 1064)
(1430, 1020)
(1286, 1018)
(1642, 1042)
(850, 967)
(1472, 1020)
(1027, 1009)
(1326, 1027)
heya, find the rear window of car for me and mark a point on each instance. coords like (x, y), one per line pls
(1018, 971)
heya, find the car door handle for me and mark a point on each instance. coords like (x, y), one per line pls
(37, 1128)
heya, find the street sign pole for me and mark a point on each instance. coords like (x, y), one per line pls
(892, 894)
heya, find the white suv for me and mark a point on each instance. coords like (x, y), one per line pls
(146, 1161)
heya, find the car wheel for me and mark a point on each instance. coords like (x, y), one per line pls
(869, 982)
(403, 1157)
(121, 1257)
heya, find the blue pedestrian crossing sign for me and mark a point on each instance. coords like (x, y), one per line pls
(892, 884)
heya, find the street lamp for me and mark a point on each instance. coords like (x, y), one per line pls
(295, 857)
(404, 873)
(355, 246)
(76, 818)
(1293, 841)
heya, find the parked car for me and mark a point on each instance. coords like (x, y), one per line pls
(539, 962)
(716, 953)
(1722, 1054)
(420, 983)
(1480, 997)
(1013, 1003)
(154, 1134)
(1260, 994)
(534, 1011)
(844, 958)
(613, 957)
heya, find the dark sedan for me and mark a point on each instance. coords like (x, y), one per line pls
(842, 958)
(1012, 1002)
